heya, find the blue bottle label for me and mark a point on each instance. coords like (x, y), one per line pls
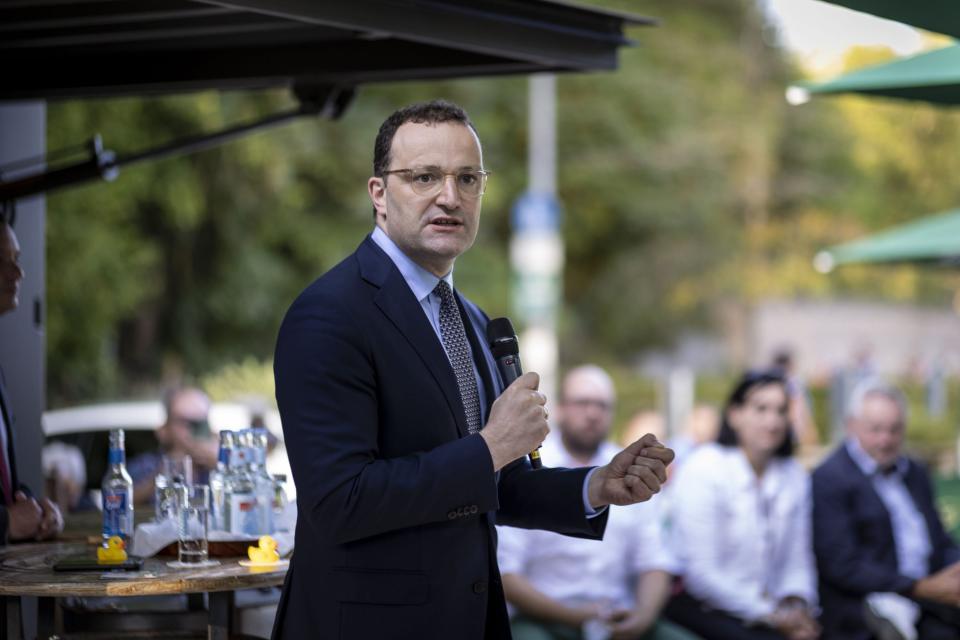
(115, 513)
(115, 456)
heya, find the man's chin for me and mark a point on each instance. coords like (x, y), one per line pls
(448, 248)
(584, 447)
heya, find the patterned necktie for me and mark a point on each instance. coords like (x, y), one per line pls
(455, 343)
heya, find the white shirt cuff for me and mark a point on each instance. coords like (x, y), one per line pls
(587, 508)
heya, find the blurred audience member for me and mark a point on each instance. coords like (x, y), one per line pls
(22, 517)
(741, 524)
(701, 427)
(844, 380)
(801, 413)
(644, 422)
(884, 558)
(65, 473)
(561, 585)
(258, 420)
(185, 432)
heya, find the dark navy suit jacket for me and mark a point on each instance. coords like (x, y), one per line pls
(12, 458)
(396, 503)
(853, 540)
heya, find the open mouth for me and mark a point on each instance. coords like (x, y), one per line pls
(446, 222)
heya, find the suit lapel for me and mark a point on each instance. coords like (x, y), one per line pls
(870, 494)
(400, 306)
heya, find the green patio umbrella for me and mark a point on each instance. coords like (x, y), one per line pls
(932, 239)
(933, 76)
(941, 16)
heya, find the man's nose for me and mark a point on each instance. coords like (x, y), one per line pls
(14, 269)
(449, 195)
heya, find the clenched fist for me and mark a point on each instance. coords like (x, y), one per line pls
(634, 474)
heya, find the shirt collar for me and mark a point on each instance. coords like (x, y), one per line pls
(742, 475)
(420, 281)
(867, 464)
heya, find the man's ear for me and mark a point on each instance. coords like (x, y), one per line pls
(378, 195)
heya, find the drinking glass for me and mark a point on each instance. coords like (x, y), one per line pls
(193, 510)
(174, 473)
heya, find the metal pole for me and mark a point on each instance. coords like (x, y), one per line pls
(536, 248)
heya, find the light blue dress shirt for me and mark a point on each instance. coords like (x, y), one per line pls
(422, 283)
(910, 531)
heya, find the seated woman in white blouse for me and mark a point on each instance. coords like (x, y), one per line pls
(741, 525)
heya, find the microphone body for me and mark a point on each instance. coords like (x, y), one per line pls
(506, 353)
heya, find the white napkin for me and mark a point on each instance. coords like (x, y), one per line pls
(151, 537)
(901, 612)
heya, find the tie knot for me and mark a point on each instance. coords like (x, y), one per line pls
(443, 290)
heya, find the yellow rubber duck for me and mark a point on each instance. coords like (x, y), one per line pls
(113, 552)
(265, 552)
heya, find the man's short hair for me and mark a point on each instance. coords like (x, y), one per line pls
(878, 387)
(596, 372)
(433, 112)
(171, 394)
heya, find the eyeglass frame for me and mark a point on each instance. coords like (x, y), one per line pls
(586, 403)
(198, 426)
(484, 174)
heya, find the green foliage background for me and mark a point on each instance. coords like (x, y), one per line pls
(688, 185)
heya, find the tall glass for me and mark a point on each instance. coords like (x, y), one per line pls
(193, 510)
(174, 472)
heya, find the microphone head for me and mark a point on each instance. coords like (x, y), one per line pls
(502, 337)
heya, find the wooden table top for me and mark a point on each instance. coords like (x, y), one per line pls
(27, 570)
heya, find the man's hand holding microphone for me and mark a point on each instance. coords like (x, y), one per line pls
(518, 421)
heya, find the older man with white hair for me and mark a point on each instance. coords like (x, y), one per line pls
(887, 567)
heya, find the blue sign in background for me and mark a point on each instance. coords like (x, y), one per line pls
(536, 211)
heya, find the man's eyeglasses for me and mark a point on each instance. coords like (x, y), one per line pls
(197, 427)
(586, 403)
(429, 181)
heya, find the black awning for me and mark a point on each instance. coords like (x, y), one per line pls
(85, 48)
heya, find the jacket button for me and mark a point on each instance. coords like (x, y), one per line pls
(451, 515)
(479, 586)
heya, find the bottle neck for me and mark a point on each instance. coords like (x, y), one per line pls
(117, 456)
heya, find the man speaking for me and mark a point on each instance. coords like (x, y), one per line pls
(405, 448)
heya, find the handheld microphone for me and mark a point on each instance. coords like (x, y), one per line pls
(506, 351)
